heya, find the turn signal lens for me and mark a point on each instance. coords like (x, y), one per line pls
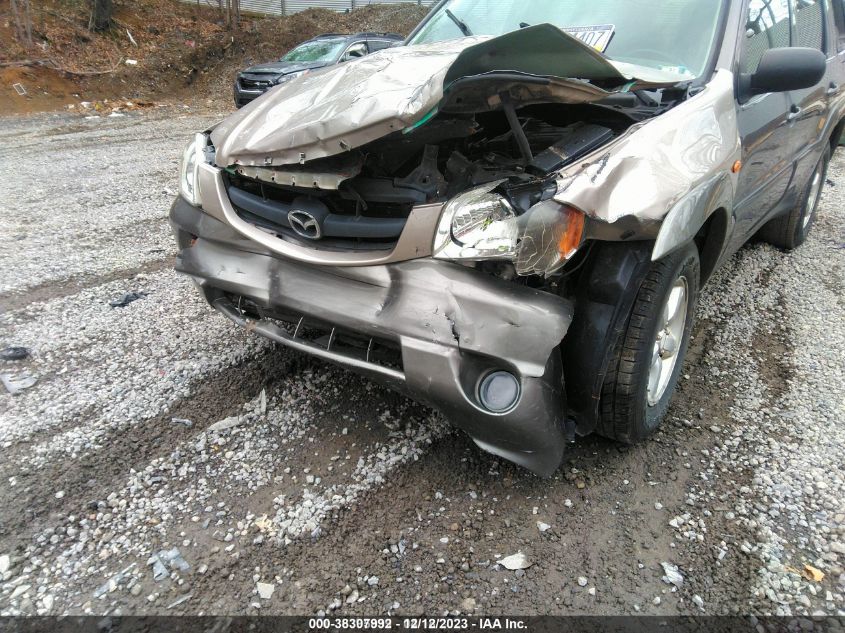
(570, 239)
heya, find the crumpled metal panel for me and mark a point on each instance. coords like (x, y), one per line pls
(332, 110)
(432, 301)
(319, 179)
(345, 106)
(639, 177)
(542, 47)
(655, 164)
(452, 323)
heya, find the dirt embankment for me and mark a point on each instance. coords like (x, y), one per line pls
(157, 50)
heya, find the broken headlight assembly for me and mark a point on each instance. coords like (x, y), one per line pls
(481, 224)
(478, 224)
(192, 157)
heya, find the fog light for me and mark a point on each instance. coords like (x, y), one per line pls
(498, 391)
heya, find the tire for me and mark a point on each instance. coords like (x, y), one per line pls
(789, 231)
(631, 409)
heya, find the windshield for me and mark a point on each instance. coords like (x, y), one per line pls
(317, 51)
(671, 35)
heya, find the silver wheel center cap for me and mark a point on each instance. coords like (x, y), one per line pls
(668, 341)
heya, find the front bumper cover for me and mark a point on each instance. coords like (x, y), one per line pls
(452, 324)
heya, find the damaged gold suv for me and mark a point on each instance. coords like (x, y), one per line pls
(510, 217)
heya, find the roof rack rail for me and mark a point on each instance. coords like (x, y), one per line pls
(380, 34)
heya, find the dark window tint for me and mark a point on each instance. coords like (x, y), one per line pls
(767, 27)
(377, 45)
(839, 16)
(809, 23)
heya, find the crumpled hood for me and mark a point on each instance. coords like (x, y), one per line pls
(282, 68)
(335, 109)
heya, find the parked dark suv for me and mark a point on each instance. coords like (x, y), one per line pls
(323, 50)
(511, 216)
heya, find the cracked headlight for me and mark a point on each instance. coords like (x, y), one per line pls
(192, 157)
(477, 224)
(483, 225)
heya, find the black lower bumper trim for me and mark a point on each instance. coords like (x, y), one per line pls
(268, 329)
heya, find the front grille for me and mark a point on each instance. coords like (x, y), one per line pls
(346, 228)
(247, 83)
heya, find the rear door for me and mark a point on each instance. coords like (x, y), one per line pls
(836, 63)
(763, 126)
(380, 45)
(809, 108)
(836, 46)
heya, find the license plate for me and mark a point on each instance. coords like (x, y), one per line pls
(597, 36)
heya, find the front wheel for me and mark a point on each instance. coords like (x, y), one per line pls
(647, 360)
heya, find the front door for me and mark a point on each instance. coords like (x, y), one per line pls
(763, 123)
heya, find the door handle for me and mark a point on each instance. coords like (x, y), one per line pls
(832, 89)
(794, 112)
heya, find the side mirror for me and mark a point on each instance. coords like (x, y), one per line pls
(782, 70)
(355, 51)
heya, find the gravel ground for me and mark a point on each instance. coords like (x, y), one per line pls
(167, 462)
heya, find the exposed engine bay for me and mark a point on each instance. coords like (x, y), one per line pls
(472, 150)
(361, 198)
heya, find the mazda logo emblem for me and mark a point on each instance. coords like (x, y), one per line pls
(305, 224)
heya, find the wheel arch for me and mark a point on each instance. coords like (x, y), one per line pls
(835, 135)
(607, 288)
(711, 241)
(702, 217)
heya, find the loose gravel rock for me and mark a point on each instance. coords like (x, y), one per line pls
(165, 461)
(783, 363)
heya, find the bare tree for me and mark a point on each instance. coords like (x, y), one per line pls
(101, 13)
(27, 21)
(233, 14)
(23, 21)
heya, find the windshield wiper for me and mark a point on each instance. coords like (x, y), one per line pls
(461, 24)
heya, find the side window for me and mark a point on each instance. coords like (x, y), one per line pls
(767, 27)
(839, 17)
(378, 45)
(809, 23)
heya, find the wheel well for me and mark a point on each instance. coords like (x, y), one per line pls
(607, 288)
(710, 241)
(834, 138)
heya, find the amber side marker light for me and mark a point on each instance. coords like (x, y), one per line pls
(736, 167)
(570, 239)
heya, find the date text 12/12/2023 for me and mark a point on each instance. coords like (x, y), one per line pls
(419, 623)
